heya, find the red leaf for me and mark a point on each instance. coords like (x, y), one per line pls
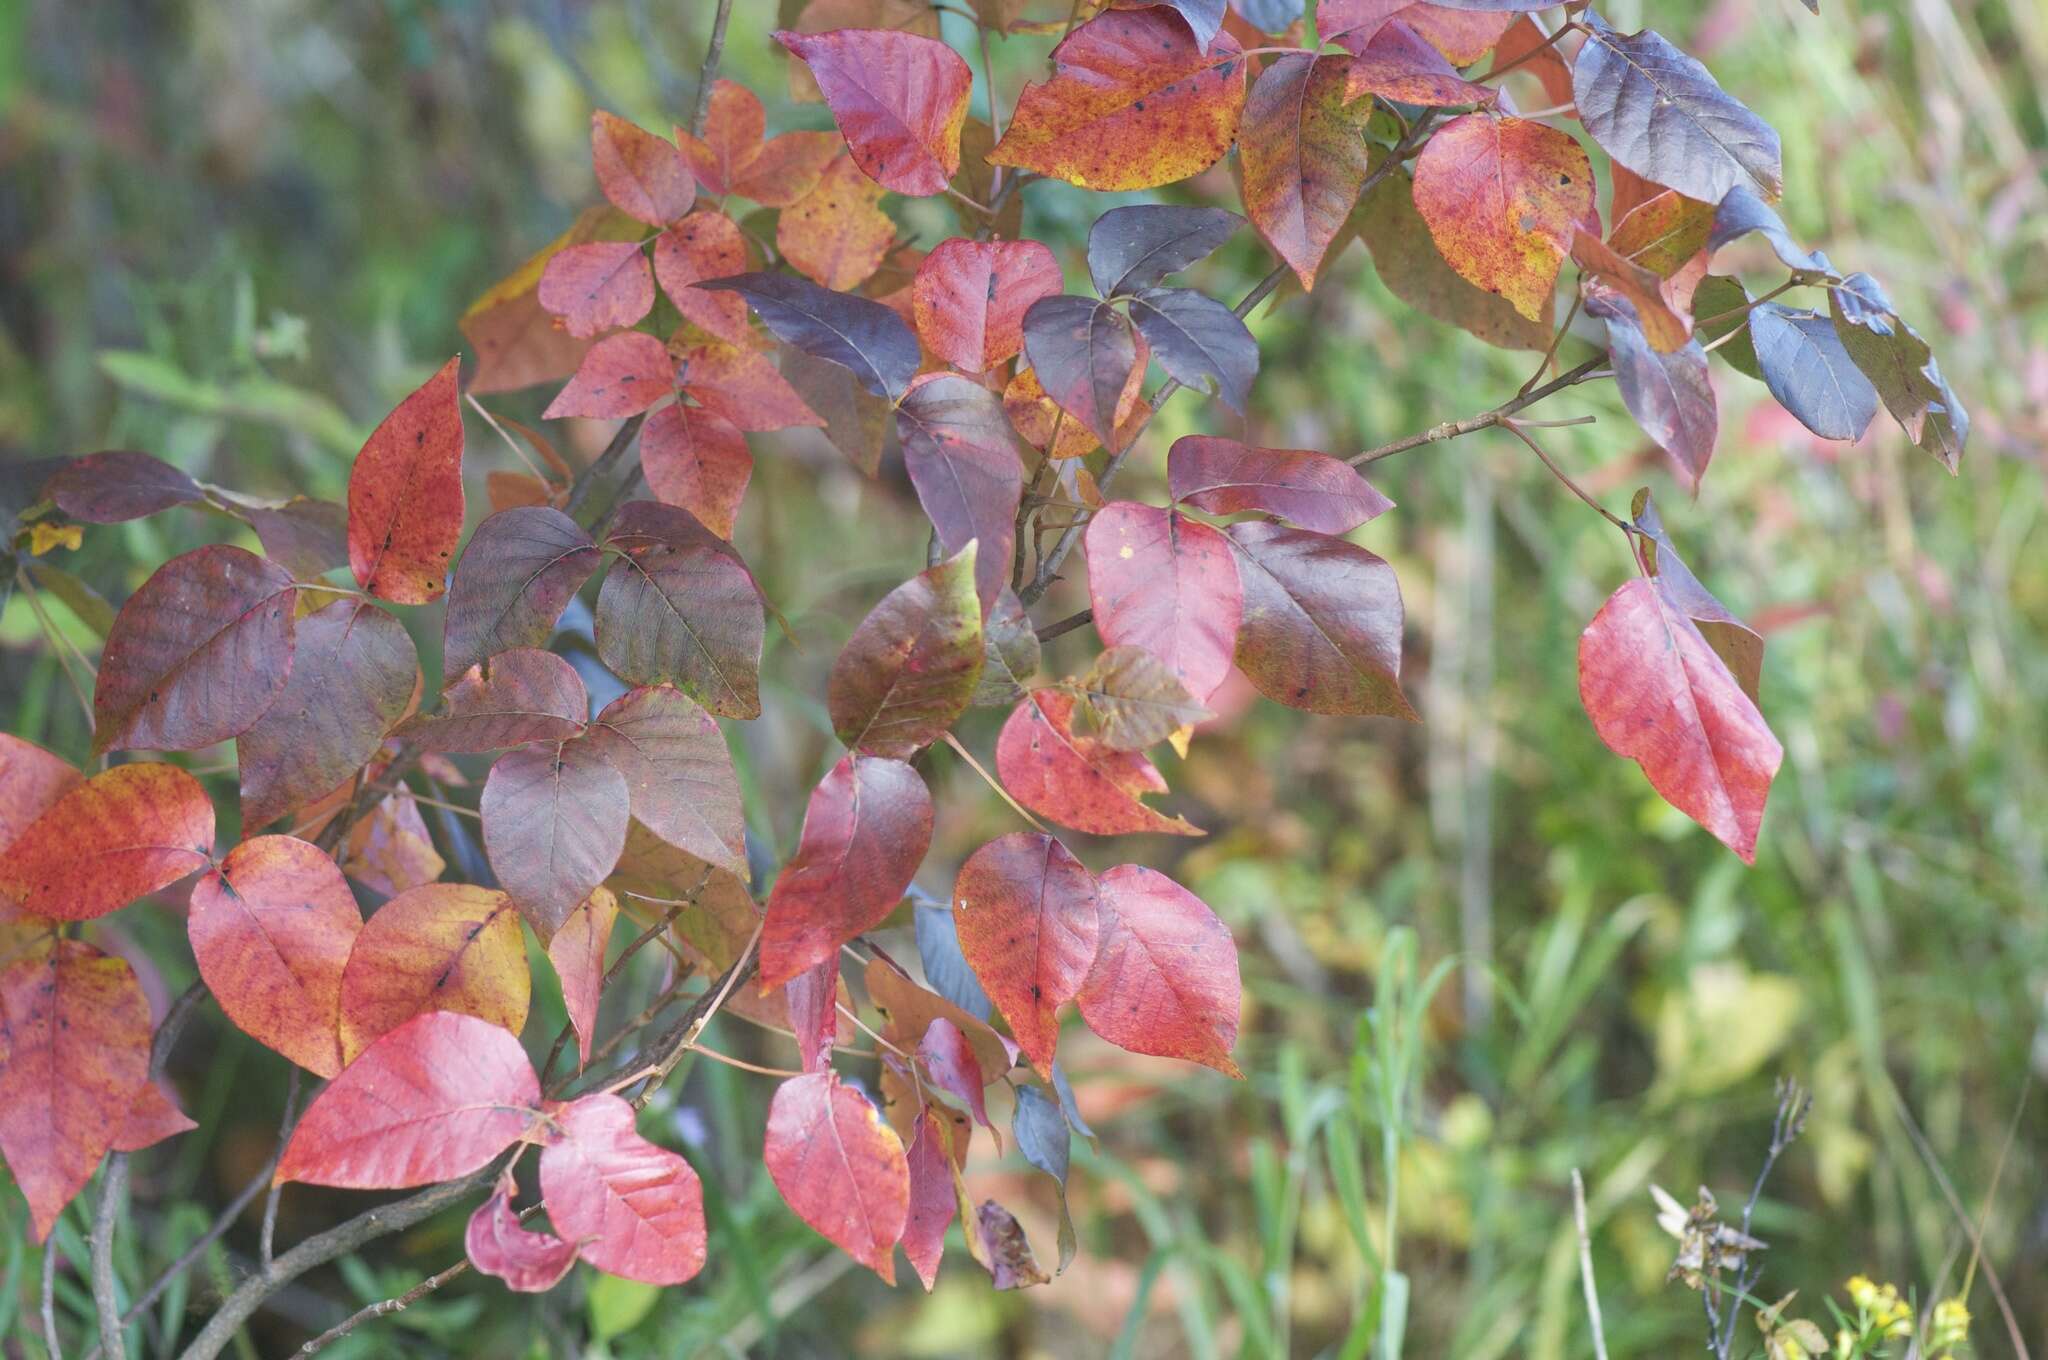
(519, 572)
(530, 695)
(1133, 103)
(679, 607)
(1502, 196)
(970, 298)
(528, 1262)
(439, 947)
(621, 376)
(1166, 583)
(118, 836)
(554, 820)
(912, 1010)
(839, 1167)
(1026, 912)
(704, 245)
(1164, 980)
(837, 234)
(151, 1119)
(196, 655)
(906, 674)
(899, 100)
(1075, 780)
(731, 158)
(934, 1203)
(577, 952)
(405, 495)
(699, 461)
(961, 455)
(434, 1099)
(1400, 64)
(641, 174)
(1304, 157)
(1659, 694)
(74, 1026)
(354, 674)
(597, 286)
(950, 1063)
(679, 775)
(518, 343)
(865, 832)
(1322, 622)
(117, 486)
(271, 930)
(634, 1209)
(741, 386)
(1312, 490)
(813, 996)
(31, 782)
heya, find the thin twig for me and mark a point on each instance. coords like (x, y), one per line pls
(707, 74)
(1485, 420)
(50, 1342)
(377, 1310)
(600, 469)
(991, 781)
(1586, 1265)
(284, 1133)
(106, 1300)
(1518, 432)
(1955, 1204)
(1066, 625)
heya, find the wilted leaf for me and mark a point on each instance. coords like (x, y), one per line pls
(1901, 367)
(520, 570)
(679, 774)
(1134, 247)
(196, 655)
(970, 298)
(1164, 980)
(1075, 780)
(1026, 912)
(1134, 102)
(636, 1210)
(354, 674)
(899, 100)
(74, 1026)
(1133, 701)
(840, 1167)
(906, 674)
(961, 455)
(866, 829)
(1660, 695)
(577, 952)
(1322, 622)
(441, 947)
(434, 1099)
(1011, 1263)
(120, 835)
(554, 821)
(405, 495)
(272, 926)
(678, 607)
(856, 333)
(529, 695)
(1163, 582)
(528, 1262)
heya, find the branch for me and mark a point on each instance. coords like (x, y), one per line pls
(50, 1298)
(707, 74)
(1485, 420)
(1586, 1265)
(377, 1310)
(105, 1299)
(582, 490)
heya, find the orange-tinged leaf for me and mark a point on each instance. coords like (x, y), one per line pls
(699, 461)
(636, 1210)
(597, 286)
(1133, 103)
(354, 675)
(1658, 693)
(643, 175)
(1525, 48)
(441, 947)
(196, 655)
(1166, 583)
(899, 100)
(866, 829)
(405, 495)
(1075, 780)
(517, 342)
(740, 386)
(840, 1167)
(31, 781)
(1322, 622)
(621, 376)
(1304, 157)
(433, 1100)
(152, 1118)
(837, 234)
(912, 1009)
(1502, 197)
(1664, 233)
(512, 490)
(120, 835)
(1039, 421)
(970, 298)
(74, 1029)
(1026, 912)
(528, 1262)
(731, 157)
(704, 245)
(389, 851)
(906, 674)
(1413, 270)
(554, 818)
(577, 952)
(679, 775)
(1666, 327)
(272, 927)
(1164, 980)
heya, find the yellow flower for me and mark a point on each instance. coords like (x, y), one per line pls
(1861, 1291)
(1950, 1328)
(43, 536)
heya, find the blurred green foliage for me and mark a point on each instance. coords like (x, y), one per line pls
(1479, 953)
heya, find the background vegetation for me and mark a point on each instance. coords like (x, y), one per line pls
(234, 232)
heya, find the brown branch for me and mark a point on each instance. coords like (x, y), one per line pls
(1485, 420)
(106, 1301)
(707, 74)
(377, 1310)
(284, 1134)
(1066, 625)
(582, 490)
